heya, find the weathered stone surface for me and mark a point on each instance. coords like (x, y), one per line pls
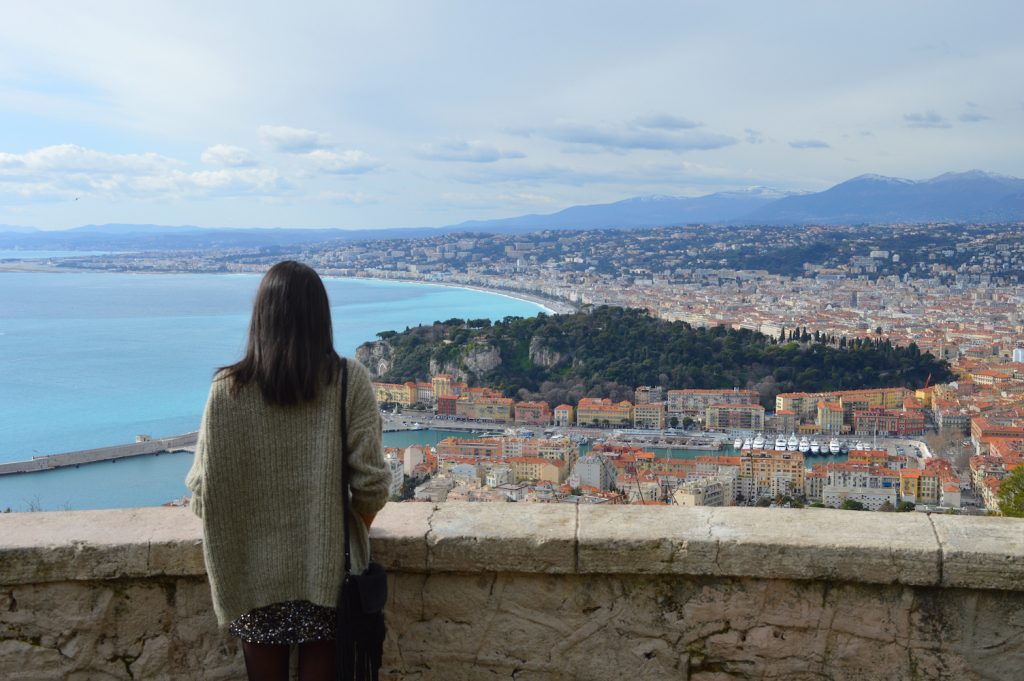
(40, 547)
(502, 538)
(399, 536)
(646, 539)
(979, 552)
(491, 591)
(812, 543)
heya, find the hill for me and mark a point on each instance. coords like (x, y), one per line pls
(608, 351)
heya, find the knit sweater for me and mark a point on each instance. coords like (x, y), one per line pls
(266, 480)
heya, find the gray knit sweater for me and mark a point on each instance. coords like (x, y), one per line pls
(266, 481)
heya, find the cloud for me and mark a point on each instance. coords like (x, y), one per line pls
(753, 136)
(227, 155)
(629, 138)
(351, 162)
(67, 170)
(972, 115)
(810, 144)
(664, 122)
(928, 119)
(288, 140)
(461, 150)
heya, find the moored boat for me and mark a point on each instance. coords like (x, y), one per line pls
(780, 442)
(834, 446)
(804, 446)
(759, 441)
(737, 443)
(815, 447)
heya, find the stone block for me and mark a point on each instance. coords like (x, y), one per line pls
(646, 540)
(812, 543)
(502, 538)
(398, 538)
(981, 552)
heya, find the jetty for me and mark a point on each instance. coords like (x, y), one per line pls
(178, 443)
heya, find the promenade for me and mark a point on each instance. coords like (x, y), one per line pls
(177, 443)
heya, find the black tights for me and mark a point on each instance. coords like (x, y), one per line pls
(269, 662)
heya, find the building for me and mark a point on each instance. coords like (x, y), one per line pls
(702, 492)
(498, 476)
(649, 416)
(442, 385)
(494, 409)
(772, 472)
(645, 394)
(536, 468)
(870, 485)
(594, 470)
(563, 415)
(403, 394)
(397, 473)
(829, 417)
(888, 422)
(411, 458)
(532, 413)
(446, 406)
(695, 403)
(734, 417)
(594, 411)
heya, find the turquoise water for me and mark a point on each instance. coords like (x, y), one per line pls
(93, 359)
(139, 481)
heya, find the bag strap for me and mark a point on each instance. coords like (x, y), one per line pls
(344, 462)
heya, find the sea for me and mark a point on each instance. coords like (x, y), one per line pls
(94, 359)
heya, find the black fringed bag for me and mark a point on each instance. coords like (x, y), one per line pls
(360, 630)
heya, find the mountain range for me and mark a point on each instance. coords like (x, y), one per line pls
(973, 196)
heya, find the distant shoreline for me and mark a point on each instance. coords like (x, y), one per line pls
(547, 305)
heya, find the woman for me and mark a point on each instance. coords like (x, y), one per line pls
(267, 479)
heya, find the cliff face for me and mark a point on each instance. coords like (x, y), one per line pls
(473, 362)
(542, 355)
(377, 356)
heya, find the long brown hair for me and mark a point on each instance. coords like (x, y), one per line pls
(290, 353)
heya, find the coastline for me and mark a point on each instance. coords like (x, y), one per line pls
(547, 305)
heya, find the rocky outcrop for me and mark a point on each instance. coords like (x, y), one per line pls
(481, 358)
(541, 355)
(377, 356)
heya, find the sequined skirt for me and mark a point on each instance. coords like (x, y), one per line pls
(285, 623)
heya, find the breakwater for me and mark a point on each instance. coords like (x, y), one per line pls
(178, 443)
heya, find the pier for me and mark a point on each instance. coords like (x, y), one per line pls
(178, 443)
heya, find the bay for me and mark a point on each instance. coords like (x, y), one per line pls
(94, 359)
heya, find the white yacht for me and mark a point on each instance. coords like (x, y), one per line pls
(804, 446)
(747, 444)
(737, 443)
(861, 445)
(833, 446)
(815, 447)
(759, 441)
(780, 442)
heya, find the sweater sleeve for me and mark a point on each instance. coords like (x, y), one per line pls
(370, 476)
(196, 474)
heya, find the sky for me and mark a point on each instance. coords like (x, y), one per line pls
(384, 114)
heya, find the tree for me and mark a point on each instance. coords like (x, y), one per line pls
(905, 506)
(674, 421)
(887, 507)
(1011, 494)
(687, 422)
(851, 505)
(763, 501)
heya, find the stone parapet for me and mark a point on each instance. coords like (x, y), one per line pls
(547, 591)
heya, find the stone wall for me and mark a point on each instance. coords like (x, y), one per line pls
(546, 592)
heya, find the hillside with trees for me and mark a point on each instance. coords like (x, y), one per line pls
(608, 351)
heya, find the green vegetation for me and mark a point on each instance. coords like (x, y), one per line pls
(1011, 494)
(608, 351)
(851, 505)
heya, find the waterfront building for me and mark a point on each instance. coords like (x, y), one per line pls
(830, 417)
(486, 408)
(424, 393)
(695, 403)
(649, 416)
(563, 415)
(734, 417)
(594, 411)
(442, 385)
(403, 394)
(446, 406)
(532, 413)
(888, 422)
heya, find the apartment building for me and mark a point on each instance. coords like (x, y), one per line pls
(695, 403)
(594, 411)
(888, 422)
(871, 485)
(829, 417)
(395, 393)
(771, 470)
(564, 415)
(532, 414)
(649, 416)
(734, 417)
